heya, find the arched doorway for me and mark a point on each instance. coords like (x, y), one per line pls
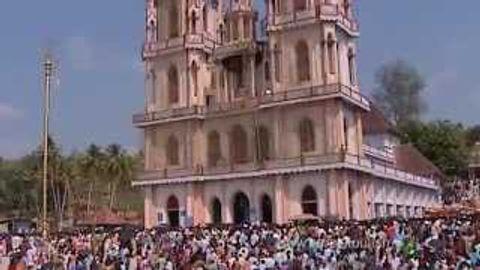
(266, 206)
(216, 211)
(309, 201)
(173, 211)
(241, 208)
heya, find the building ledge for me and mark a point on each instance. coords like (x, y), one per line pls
(286, 97)
(323, 12)
(284, 166)
(189, 41)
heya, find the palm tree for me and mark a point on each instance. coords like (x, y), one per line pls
(119, 170)
(92, 167)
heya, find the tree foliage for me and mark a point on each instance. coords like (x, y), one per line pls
(81, 181)
(473, 135)
(443, 142)
(398, 92)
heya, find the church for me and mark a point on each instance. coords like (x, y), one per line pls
(260, 117)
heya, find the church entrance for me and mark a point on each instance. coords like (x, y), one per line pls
(267, 213)
(216, 211)
(241, 208)
(173, 211)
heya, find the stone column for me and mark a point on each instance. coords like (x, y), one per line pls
(200, 208)
(279, 200)
(324, 61)
(252, 75)
(149, 215)
(227, 214)
(189, 203)
(332, 192)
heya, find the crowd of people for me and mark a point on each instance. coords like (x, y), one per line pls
(443, 243)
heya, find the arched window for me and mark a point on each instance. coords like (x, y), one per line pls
(173, 211)
(173, 20)
(239, 144)
(346, 134)
(173, 95)
(172, 151)
(193, 28)
(309, 201)
(267, 71)
(246, 27)
(195, 78)
(274, 7)
(346, 7)
(241, 208)
(214, 150)
(205, 18)
(216, 211)
(306, 136)
(213, 79)
(263, 143)
(299, 5)
(303, 61)
(331, 53)
(266, 207)
(222, 33)
(350, 201)
(277, 62)
(154, 147)
(234, 24)
(153, 83)
(351, 67)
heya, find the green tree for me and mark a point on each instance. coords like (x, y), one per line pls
(398, 92)
(93, 168)
(119, 170)
(443, 142)
(473, 135)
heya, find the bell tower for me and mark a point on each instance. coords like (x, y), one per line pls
(312, 42)
(180, 38)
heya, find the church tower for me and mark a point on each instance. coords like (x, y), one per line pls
(313, 45)
(183, 34)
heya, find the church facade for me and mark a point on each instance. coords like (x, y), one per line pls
(240, 126)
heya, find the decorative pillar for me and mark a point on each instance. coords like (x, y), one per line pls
(280, 200)
(324, 61)
(332, 194)
(226, 205)
(189, 205)
(149, 219)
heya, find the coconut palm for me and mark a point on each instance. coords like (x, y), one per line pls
(93, 169)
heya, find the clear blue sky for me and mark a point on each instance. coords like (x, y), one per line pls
(101, 78)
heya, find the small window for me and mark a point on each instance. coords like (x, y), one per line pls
(307, 136)
(267, 71)
(300, 5)
(173, 20)
(303, 61)
(214, 150)
(277, 62)
(309, 201)
(351, 67)
(172, 151)
(331, 54)
(195, 69)
(173, 95)
(205, 19)
(263, 144)
(239, 144)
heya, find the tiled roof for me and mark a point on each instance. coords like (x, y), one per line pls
(409, 159)
(374, 122)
